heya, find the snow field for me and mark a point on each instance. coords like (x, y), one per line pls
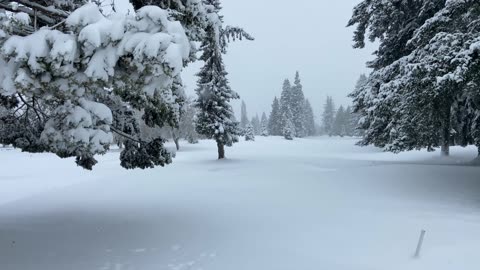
(316, 203)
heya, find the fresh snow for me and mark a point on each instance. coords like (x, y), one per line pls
(316, 203)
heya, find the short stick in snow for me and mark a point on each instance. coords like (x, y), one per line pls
(420, 243)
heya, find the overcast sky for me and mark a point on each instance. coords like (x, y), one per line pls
(304, 35)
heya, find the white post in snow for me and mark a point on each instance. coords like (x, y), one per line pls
(419, 245)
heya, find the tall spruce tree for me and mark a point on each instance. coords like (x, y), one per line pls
(339, 127)
(288, 128)
(256, 125)
(328, 116)
(286, 102)
(244, 116)
(417, 95)
(275, 119)
(297, 106)
(215, 118)
(264, 125)
(309, 119)
(350, 125)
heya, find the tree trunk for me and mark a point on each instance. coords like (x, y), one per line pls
(445, 147)
(221, 150)
(445, 150)
(176, 139)
(177, 143)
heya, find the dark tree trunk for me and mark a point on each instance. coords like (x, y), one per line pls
(445, 149)
(221, 150)
(177, 143)
(176, 139)
(445, 146)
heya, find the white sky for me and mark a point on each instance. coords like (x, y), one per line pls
(304, 35)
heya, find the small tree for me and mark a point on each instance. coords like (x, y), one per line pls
(328, 116)
(339, 124)
(187, 123)
(275, 119)
(264, 124)
(256, 125)
(244, 116)
(249, 133)
(309, 119)
(288, 130)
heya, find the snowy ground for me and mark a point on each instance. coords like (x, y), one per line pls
(308, 204)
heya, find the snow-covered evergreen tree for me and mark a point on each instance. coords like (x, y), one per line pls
(328, 116)
(244, 116)
(275, 119)
(297, 106)
(288, 130)
(350, 125)
(256, 125)
(285, 103)
(186, 127)
(66, 85)
(309, 119)
(418, 95)
(249, 133)
(393, 24)
(264, 125)
(215, 114)
(340, 123)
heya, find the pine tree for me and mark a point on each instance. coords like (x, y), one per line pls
(328, 116)
(285, 103)
(256, 125)
(289, 127)
(350, 125)
(244, 116)
(388, 24)
(275, 119)
(422, 71)
(249, 133)
(297, 106)
(264, 125)
(339, 124)
(187, 122)
(309, 119)
(215, 118)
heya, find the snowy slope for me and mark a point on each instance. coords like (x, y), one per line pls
(305, 204)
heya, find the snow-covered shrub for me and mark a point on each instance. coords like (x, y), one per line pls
(249, 133)
(289, 130)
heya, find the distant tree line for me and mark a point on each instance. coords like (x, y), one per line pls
(292, 115)
(341, 121)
